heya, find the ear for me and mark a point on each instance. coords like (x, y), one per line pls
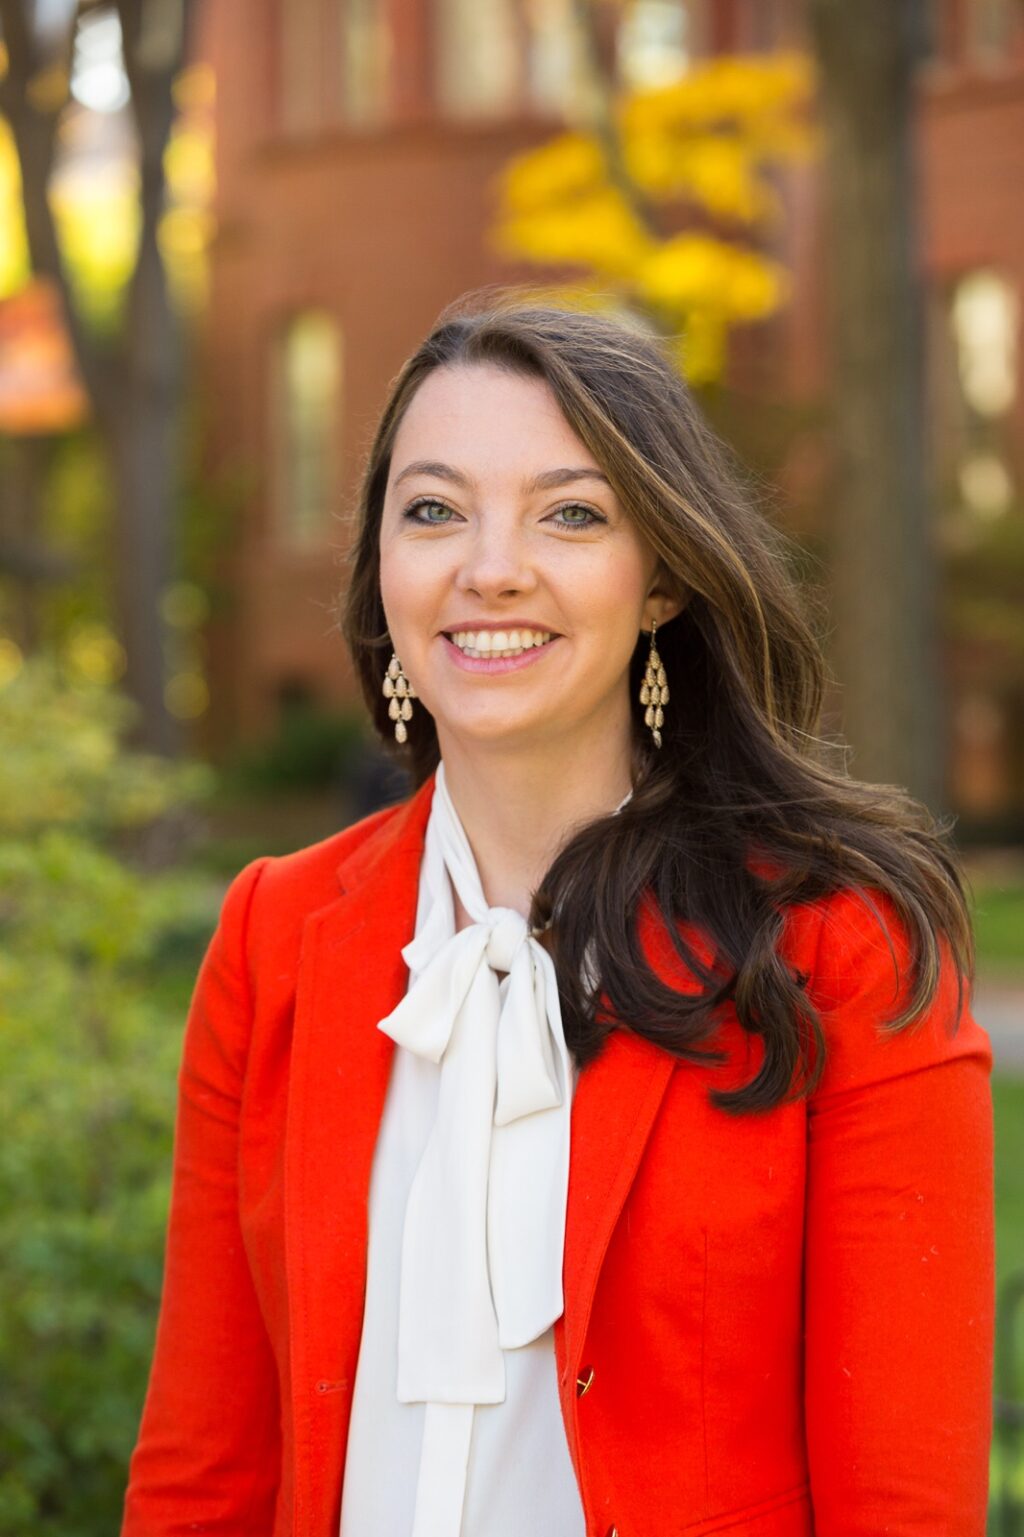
(667, 596)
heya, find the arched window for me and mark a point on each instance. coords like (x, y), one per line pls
(557, 71)
(307, 422)
(994, 30)
(985, 323)
(301, 38)
(479, 57)
(658, 40)
(367, 46)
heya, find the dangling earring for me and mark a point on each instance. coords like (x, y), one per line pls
(400, 693)
(654, 690)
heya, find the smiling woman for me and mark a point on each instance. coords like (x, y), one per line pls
(612, 1153)
(479, 541)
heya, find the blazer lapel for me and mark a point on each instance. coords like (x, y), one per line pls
(616, 1101)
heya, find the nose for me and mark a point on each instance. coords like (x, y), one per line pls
(496, 561)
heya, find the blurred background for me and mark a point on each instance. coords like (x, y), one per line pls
(223, 226)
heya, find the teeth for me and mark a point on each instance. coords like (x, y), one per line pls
(491, 643)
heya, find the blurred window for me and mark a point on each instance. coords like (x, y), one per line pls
(306, 405)
(976, 381)
(985, 323)
(98, 78)
(557, 74)
(658, 40)
(301, 59)
(480, 49)
(993, 30)
(366, 58)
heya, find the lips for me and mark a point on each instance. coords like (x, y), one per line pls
(500, 661)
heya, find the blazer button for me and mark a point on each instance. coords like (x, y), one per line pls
(612, 1531)
(583, 1383)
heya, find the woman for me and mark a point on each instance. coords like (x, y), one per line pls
(612, 1152)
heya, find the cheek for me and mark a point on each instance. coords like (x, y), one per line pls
(404, 582)
(612, 589)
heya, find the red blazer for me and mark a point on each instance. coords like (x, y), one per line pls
(785, 1319)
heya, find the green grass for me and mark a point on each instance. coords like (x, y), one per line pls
(1008, 1104)
(1008, 1099)
(999, 926)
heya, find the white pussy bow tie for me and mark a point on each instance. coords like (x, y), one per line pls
(482, 1243)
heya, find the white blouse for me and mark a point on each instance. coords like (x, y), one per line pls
(456, 1427)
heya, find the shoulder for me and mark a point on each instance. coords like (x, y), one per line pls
(850, 952)
(854, 951)
(274, 894)
(308, 877)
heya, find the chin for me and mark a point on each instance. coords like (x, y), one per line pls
(497, 731)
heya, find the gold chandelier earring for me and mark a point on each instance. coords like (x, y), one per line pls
(654, 690)
(399, 693)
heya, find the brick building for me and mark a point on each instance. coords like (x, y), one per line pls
(356, 143)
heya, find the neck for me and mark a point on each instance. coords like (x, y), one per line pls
(520, 809)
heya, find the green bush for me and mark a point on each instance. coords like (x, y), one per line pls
(90, 1036)
(313, 748)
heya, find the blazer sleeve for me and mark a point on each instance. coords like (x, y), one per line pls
(899, 1262)
(207, 1456)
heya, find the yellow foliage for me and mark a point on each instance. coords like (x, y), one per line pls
(98, 222)
(597, 230)
(186, 695)
(185, 605)
(94, 654)
(11, 660)
(186, 228)
(96, 207)
(691, 272)
(14, 263)
(709, 136)
(188, 164)
(707, 142)
(568, 166)
(717, 173)
(747, 89)
(700, 349)
(47, 91)
(195, 88)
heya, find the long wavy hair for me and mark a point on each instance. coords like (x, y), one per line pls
(742, 768)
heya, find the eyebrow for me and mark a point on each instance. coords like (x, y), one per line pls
(547, 480)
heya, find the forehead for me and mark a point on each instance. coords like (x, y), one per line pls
(482, 416)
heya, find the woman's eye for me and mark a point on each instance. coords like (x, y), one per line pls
(414, 508)
(589, 519)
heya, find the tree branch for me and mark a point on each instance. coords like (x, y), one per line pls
(34, 129)
(604, 125)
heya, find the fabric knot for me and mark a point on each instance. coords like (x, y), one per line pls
(485, 1219)
(507, 930)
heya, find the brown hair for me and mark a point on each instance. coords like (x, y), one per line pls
(741, 766)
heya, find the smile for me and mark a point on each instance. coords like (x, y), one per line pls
(492, 643)
(514, 650)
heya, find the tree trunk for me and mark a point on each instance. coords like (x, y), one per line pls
(133, 387)
(143, 436)
(882, 527)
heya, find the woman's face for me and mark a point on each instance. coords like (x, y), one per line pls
(498, 520)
